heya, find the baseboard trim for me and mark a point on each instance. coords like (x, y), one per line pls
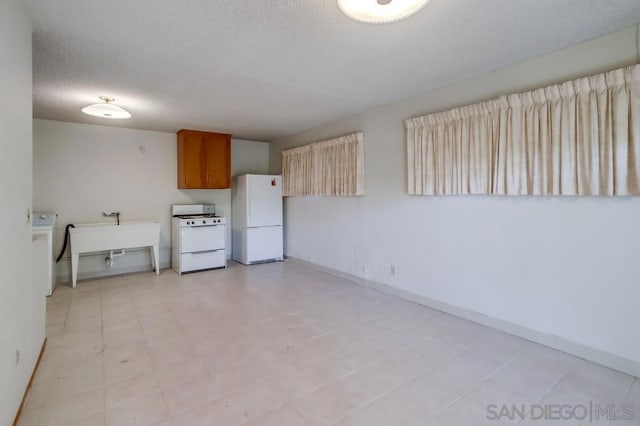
(606, 359)
(26, 391)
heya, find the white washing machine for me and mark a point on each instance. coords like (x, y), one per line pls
(43, 223)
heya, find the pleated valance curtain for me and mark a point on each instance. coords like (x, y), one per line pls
(334, 167)
(297, 171)
(581, 137)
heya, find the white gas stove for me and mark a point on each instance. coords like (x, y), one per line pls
(198, 238)
(201, 220)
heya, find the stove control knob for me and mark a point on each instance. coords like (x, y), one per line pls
(188, 223)
(204, 222)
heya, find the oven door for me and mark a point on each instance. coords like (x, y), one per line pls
(202, 238)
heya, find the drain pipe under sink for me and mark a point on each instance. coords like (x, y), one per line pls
(112, 254)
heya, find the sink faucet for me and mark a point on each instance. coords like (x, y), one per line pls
(112, 214)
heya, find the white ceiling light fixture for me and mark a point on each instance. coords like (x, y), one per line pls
(106, 109)
(380, 11)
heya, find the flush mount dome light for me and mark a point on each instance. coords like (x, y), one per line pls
(380, 11)
(106, 109)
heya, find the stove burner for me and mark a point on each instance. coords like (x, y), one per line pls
(196, 216)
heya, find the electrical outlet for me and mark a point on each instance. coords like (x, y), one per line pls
(392, 270)
(17, 356)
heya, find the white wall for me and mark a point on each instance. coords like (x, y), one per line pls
(83, 170)
(565, 266)
(22, 303)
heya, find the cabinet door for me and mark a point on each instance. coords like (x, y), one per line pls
(190, 160)
(204, 160)
(217, 160)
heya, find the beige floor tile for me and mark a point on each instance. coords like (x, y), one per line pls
(321, 371)
(84, 308)
(128, 369)
(628, 411)
(206, 415)
(117, 309)
(502, 347)
(69, 410)
(121, 324)
(283, 416)
(167, 340)
(46, 368)
(281, 344)
(77, 353)
(123, 392)
(114, 354)
(532, 375)
(167, 357)
(143, 411)
(218, 356)
(328, 404)
(189, 395)
(598, 382)
(71, 380)
(36, 397)
(30, 417)
(75, 337)
(175, 374)
(483, 406)
(248, 403)
(155, 322)
(95, 420)
(392, 410)
(169, 333)
(90, 325)
(359, 388)
(165, 422)
(233, 378)
(587, 383)
(121, 332)
(428, 394)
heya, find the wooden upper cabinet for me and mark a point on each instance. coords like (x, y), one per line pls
(204, 160)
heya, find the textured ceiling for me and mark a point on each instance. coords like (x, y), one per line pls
(263, 69)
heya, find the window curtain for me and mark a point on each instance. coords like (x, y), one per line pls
(297, 171)
(334, 167)
(581, 137)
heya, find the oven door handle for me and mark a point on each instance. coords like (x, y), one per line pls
(203, 251)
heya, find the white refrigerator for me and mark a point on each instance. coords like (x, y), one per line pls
(256, 210)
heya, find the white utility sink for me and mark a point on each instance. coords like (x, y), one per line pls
(92, 237)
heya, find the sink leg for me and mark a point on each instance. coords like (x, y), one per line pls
(153, 258)
(74, 268)
(156, 259)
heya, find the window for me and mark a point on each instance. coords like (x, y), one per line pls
(581, 137)
(334, 167)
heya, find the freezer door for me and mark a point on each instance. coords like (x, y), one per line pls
(264, 198)
(264, 244)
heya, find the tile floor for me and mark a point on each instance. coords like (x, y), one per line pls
(281, 344)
